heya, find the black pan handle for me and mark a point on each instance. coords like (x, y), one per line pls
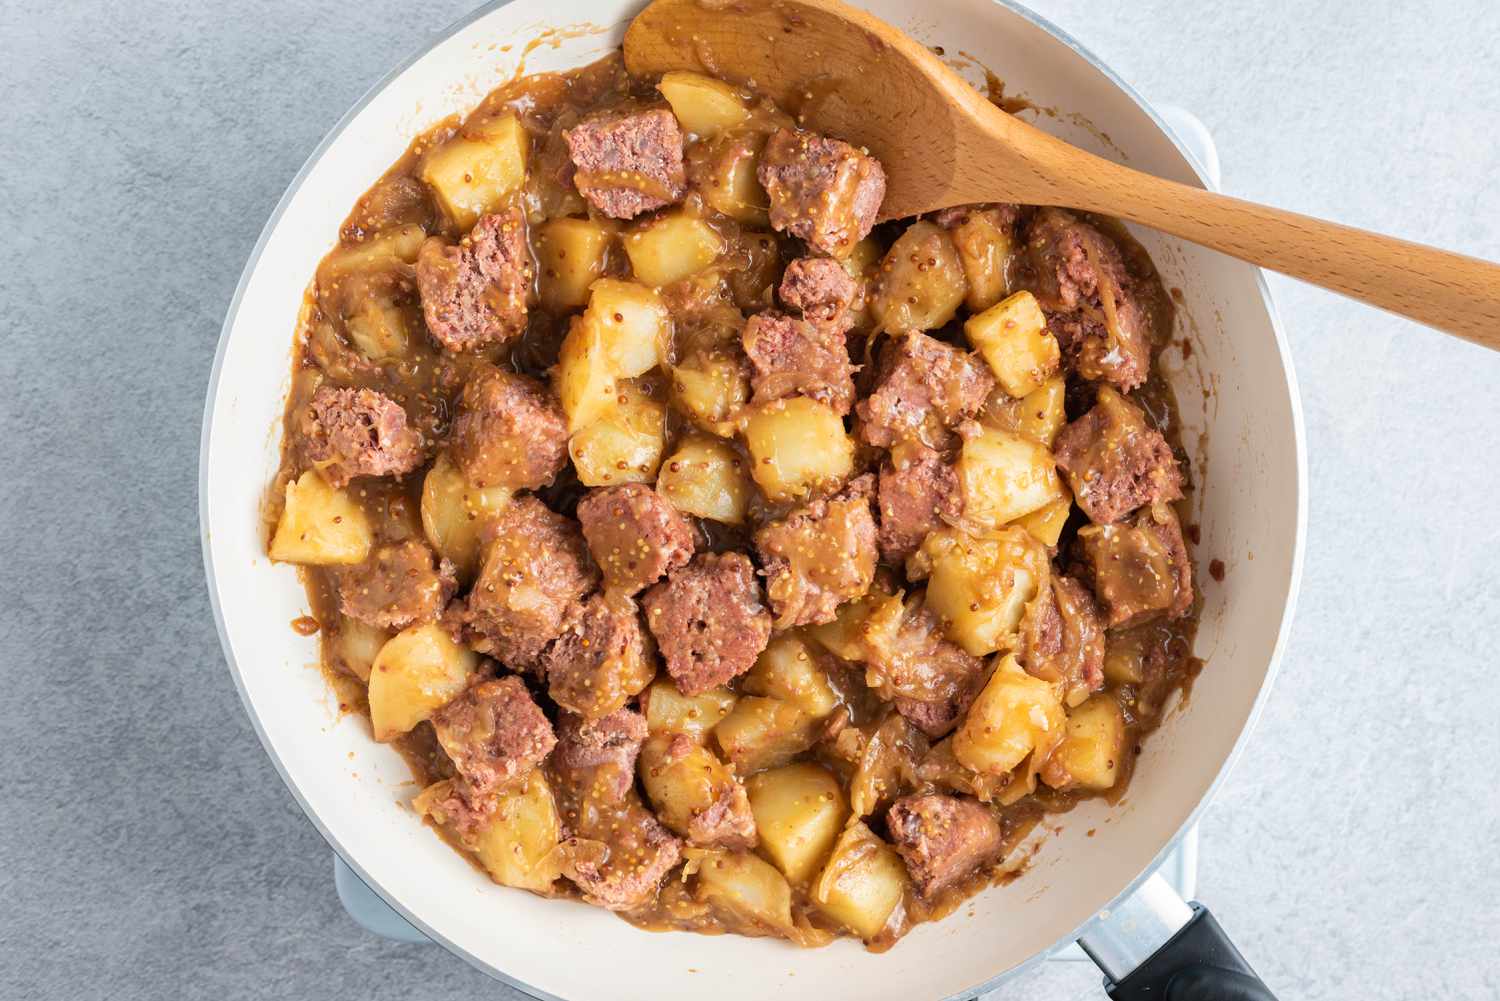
(1198, 963)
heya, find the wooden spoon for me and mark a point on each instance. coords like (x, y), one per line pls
(854, 77)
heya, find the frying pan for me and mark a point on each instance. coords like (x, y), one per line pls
(1242, 429)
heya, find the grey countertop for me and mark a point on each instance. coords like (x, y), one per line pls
(148, 848)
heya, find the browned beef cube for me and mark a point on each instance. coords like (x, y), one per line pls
(792, 357)
(709, 620)
(918, 494)
(1062, 638)
(535, 572)
(817, 287)
(509, 430)
(819, 556)
(1079, 278)
(616, 739)
(930, 680)
(822, 191)
(628, 163)
(399, 585)
(357, 432)
(943, 839)
(1114, 461)
(1140, 568)
(1004, 214)
(635, 534)
(600, 660)
(475, 293)
(494, 733)
(923, 389)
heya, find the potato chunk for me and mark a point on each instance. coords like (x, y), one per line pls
(672, 247)
(979, 585)
(1092, 747)
(921, 280)
(320, 525)
(703, 106)
(669, 711)
(1013, 337)
(400, 245)
(454, 511)
(985, 247)
(517, 844)
(747, 888)
(583, 379)
(633, 326)
(693, 793)
(706, 478)
(623, 444)
(1014, 716)
(799, 810)
(416, 673)
(571, 254)
(1046, 523)
(710, 387)
(353, 645)
(790, 671)
(1039, 415)
(763, 733)
(472, 173)
(844, 637)
(796, 445)
(1005, 476)
(863, 882)
(724, 173)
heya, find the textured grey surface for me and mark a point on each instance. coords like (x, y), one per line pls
(149, 850)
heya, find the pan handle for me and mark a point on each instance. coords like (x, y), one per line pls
(1157, 947)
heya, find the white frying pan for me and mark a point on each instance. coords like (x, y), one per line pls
(1244, 437)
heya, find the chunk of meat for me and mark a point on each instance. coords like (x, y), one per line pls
(817, 287)
(1091, 301)
(819, 556)
(709, 620)
(1004, 214)
(628, 163)
(791, 357)
(509, 430)
(474, 293)
(358, 432)
(1062, 638)
(615, 739)
(635, 534)
(943, 839)
(919, 493)
(535, 572)
(930, 680)
(821, 190)
(495, 734)
(1140, 568)
(923, 388)
(399, 585)
(1115, 462)
(600, 660)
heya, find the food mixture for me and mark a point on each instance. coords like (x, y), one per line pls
(716, 555)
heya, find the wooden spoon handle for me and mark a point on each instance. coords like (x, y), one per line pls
(1452, 292)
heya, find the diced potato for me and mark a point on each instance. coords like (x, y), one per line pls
(863, 882)
(624, 444)
(1005, 476)
(518, 845)
(796, 445)
(1039, 415)
(979, 585)
(746, 887)
(669, 711)
(703, 106)
(454, 511)
(763, 733)
(799, 810)
(354, 646)
(1092, 747)
(416, 673)
(863, 258)
(921, 281)
(724, 173)
(571, 254)
(706, 478)
(583, 379)
(1015, 715)
(472, 173)
(710, 388)
(684, 787)
(985, 249)
(788, 670)
(320, 526)
(1046, 523)
(401, 244)
(1013, 337)
(844, 636)
(633, 326)
(379, 330)
(672, 247)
